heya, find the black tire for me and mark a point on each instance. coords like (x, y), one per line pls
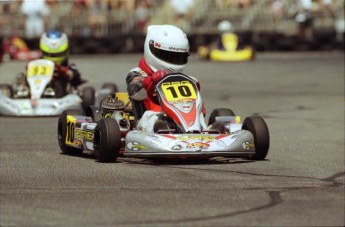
(62, 132)
(88, 94)
(6, 90)
(111, 86)
(107, 140)
(60, 88)
(257, 126)
(218, 113)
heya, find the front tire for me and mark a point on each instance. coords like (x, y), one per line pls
(257, 126)
(6, 90)
(107, 140)
(62, 132)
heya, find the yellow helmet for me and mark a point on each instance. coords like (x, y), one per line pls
(54, 46)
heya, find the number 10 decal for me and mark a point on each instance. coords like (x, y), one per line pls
(174, 91)
(70, 127)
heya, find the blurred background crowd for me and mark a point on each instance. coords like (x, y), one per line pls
(106, 18)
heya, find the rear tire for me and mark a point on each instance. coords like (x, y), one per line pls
(113, 88)
(219, 113)
(88, 97)
(107, 140)
(62, 131)
(94, 112)
(60, 88)
(257, 126)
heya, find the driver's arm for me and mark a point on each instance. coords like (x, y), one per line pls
(134, 81)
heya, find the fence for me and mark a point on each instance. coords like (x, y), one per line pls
(119, 22)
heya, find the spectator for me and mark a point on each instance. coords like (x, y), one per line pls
(304, 19)
(98, 10)
(35, 12)
(182, 10)
(277, 11)
(78, 15)
(327, 9)
(142, 15)
(5, 18)
(244, 3)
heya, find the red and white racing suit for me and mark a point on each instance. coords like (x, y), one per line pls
(140, 84)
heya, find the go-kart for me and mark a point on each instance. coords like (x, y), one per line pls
(110, 134)
(15, 48)
(228, 50)
(37, 93)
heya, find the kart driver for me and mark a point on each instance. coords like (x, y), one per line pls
(234, 42)
(55, 47)
(166, 50)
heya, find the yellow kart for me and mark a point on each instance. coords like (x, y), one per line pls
(229, 50)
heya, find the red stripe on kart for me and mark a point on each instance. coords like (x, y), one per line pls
(170, 137)
(221, 136)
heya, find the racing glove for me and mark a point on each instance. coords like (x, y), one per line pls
(150, 82)
(154, 78)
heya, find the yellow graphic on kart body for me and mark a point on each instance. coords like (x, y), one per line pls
(39, 70)
(196, 137)
(82, 134)
(70, 130)
(198, 145)
(178, 90)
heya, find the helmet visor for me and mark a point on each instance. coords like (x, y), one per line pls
(55, 55)
(177, 58)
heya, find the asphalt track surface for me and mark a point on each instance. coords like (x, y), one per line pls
(301, 183)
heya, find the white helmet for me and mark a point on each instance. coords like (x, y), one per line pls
(54, 46)
(166, 48)
(225, 26)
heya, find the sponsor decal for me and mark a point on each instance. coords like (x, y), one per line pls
(247, 146)
(198, 145)
(195, 137)
(81, 134)
(135, 146)
(178, 49)
(187, 106)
